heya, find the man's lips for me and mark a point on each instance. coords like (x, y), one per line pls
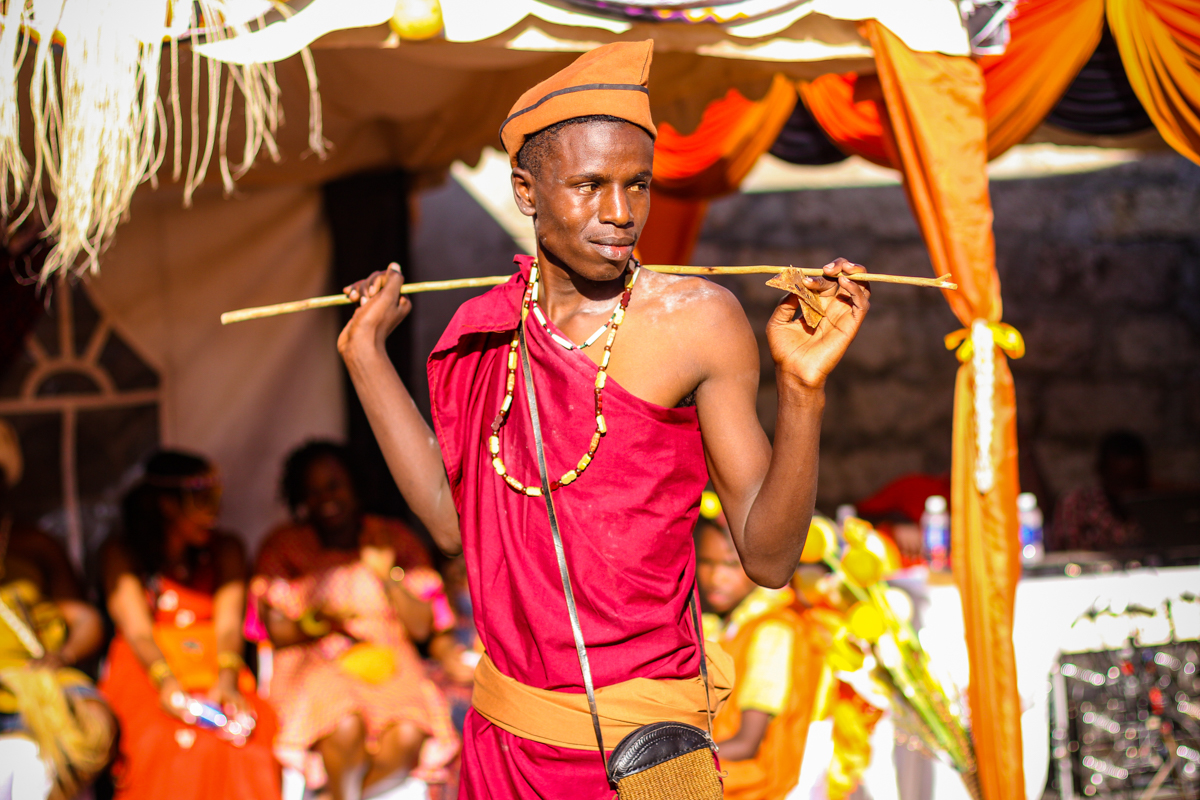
(614, 248)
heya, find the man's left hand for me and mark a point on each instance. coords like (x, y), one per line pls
(810, 354)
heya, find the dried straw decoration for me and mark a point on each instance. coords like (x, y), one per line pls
(100, 124)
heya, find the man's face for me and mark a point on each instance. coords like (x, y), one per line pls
(723, 582)
(590, 198)
(329, 495)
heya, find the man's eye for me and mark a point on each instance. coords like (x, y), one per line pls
(587, 187)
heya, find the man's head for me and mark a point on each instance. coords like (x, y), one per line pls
(1122, 463)
(586, 183)
(319, 486)
(581, 144)
(723, 582)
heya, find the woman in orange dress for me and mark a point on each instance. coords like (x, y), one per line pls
(344, 595)
(176, 593)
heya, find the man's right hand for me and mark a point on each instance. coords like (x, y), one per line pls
(381, 309)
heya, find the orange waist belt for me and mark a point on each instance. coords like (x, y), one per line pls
(562, 719)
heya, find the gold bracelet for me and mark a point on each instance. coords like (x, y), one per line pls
(230, 660)
(159, 671)
(313, 627)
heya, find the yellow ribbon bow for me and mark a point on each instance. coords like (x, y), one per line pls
(1007, 338)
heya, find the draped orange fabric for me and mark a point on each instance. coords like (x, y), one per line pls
(710, 162)
(1051, 41)
(846, 106)
(1159, 42)
(935, 129)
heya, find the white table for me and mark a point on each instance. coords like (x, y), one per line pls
(1046, 608)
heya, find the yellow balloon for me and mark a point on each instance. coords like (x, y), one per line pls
(866, 622)
(414, 20)
(821, 541)
(862, 566)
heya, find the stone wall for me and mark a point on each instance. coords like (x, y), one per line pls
(1099, 271)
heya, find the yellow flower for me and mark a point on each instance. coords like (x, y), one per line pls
(844, 655)
(710, 505)
(855, 530)
(862, 566)
(866, 622)
(821, 541)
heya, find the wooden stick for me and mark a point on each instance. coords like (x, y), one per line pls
(467, 283)
(342, 300)
(942, 282)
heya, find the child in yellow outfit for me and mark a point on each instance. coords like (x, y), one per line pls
(761, 730)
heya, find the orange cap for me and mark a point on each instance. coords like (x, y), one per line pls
(612, 80)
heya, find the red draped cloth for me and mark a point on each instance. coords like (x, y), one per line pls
(626, 525)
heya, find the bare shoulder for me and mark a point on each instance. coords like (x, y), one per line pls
(693, 303)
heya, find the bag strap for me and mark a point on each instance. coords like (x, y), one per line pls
(559, 552)
(564, 573)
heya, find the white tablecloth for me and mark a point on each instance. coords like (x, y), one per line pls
(1046, 609)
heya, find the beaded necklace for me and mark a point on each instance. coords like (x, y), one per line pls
(614, 322)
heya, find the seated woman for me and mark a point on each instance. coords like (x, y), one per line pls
(176, 593)
(55, 730)
(344, 596)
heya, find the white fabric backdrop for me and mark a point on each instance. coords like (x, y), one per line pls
(243, 395)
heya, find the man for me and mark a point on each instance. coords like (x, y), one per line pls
(1095, 517)
(761, 731)
(634, 426)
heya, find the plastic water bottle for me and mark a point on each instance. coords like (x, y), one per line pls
(935, 529)
(1029, 516)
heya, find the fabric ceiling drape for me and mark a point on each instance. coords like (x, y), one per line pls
(712, 161)
(935, 128)
(1160, 47)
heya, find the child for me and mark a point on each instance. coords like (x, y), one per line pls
(761, 730)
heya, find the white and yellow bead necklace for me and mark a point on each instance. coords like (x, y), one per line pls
(614, 322)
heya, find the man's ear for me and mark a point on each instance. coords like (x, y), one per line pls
(523, 191)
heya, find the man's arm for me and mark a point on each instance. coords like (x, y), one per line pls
(408, 444)
(768, 493)
(744, 744)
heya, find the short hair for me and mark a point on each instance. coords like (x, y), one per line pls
(1121, 444)
(536, 149)
(295, 468)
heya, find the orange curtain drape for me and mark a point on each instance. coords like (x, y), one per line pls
(1159, 42)
(1051, 41)
(935, 129)
(710, 162)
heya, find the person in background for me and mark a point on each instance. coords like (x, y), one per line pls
(896, 510)
(56, 732)
(1094, 517)
(345, 596)
(762, 729)
(176, 593)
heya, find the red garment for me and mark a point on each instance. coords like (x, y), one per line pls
(163, 758)
(626, 524)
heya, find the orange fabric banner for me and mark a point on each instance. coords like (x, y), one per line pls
(936, 130)
(707, 163)
(1051, 41)
(1159, 42)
